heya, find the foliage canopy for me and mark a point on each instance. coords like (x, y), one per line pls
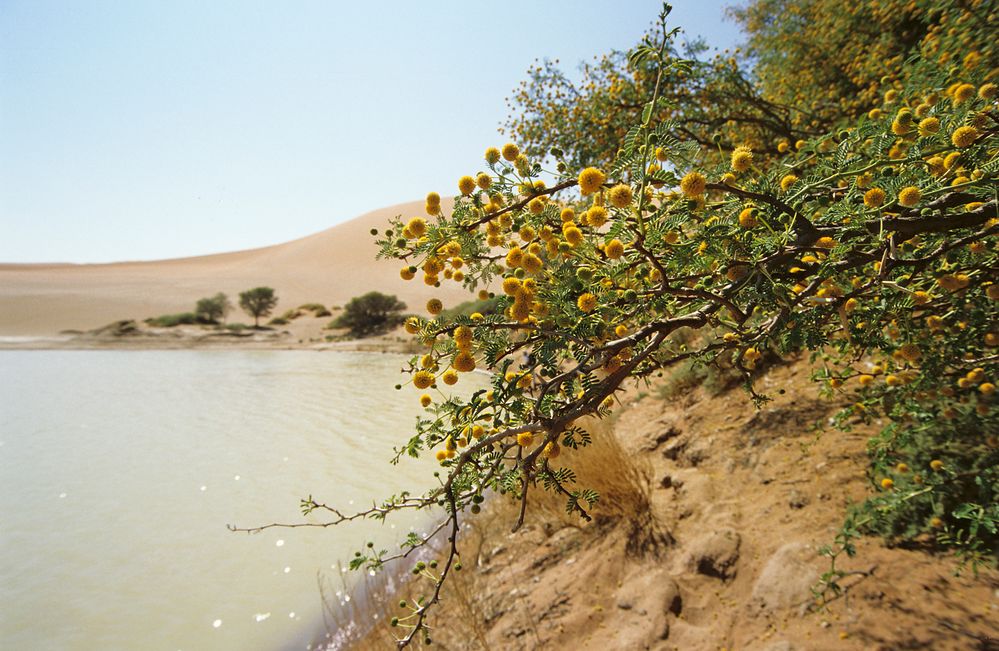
(799, 199)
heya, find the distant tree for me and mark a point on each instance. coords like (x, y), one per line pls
(214, 308)
(258, 302)
(371, 313)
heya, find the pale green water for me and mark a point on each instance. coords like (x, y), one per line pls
(120, 470)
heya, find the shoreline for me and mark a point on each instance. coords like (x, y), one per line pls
(190, 339)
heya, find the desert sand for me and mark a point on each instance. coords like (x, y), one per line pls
(329, 267)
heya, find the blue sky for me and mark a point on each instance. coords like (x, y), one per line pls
(145, 130)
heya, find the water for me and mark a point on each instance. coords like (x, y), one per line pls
(119, 471)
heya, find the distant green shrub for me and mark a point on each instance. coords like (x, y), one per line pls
(317, 309)
(370, 314)
(172, 320)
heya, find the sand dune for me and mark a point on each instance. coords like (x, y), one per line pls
(328, 267)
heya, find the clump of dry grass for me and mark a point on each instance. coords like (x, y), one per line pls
(623, 481)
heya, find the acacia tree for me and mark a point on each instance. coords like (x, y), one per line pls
(213, 308)
(258, 302)
(873, 247)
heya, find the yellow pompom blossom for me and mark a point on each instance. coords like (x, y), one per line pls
(825, 243)
(532, 264)
(573, 236)
(937, 465)
(483, 180)
(788, 181)
(511, 286)
(963, 93)
(441, 455)
(412, 325)
(596, 216)
(493, 155)
(586, 302)
(426, 400)
(693, 184)
(620, 196)
(423, 379)
(783, 146)
(747, 218)
(463, 362)
(552, 450)
(466, 185)
(742, 159)
(435, 306)
(450, 376)
(417, 227)
(510, 151)
(514, 257)
(865, 380)
(525, 439)
(909, 196)
(874, 197)
(964, 137)
(988, 91)
(887, 484)
(929, 126)
(614, 249)
(986, 388)
(433, 199)
(407, 273)
(567, 215)
(590, 180)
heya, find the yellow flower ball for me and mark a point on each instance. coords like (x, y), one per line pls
(964, 137)
(463, 362)
(466, 185)
(909, 196)
(742, 159)
(483, 180)
(450, 376)
(596, 216)
(788, 181)
(887, 484)
(417, 227)
(825, 243)
(614, 249)
(435, 306)
(573, 236)
(620, 196)
(586, 302)
(693, 184)
(525, 439)
(747, 218)
(426, 400)
(963, 93)
(407, 273)
(590, 180)
(423, 379)
(412, 325)
(874, 197)
(929, 126)
(510, 151)
(511, 285)
(493, 155)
